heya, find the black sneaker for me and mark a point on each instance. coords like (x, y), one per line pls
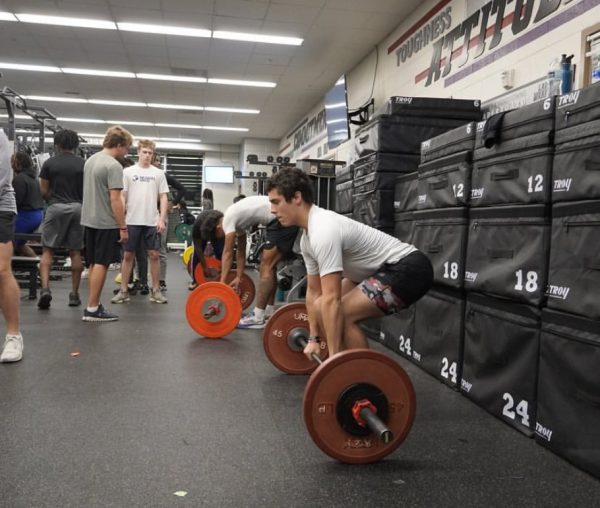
(74, 300)
(163, 286)
(45, 299)
(144, 289)
(99, 315)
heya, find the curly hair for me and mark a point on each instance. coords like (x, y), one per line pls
(66, 139)
(208, 221)
(288, 181)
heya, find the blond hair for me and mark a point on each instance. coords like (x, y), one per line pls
(117, 136)
(146, 143)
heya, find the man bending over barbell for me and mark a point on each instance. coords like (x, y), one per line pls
(233, 227)
(355, 272)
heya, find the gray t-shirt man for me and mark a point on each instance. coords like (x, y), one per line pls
(101, 174)
(7, 194)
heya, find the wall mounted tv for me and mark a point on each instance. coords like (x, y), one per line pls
(336, 114)
(218, 174)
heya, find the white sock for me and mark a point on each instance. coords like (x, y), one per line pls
(259, 314)
(92, 309)
(269, 310)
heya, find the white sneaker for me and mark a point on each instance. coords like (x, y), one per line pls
(251, 322)
(157, 297)
(13, 349)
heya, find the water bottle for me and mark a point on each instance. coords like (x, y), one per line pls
(566, 74)
(554, 77)
(596, 72)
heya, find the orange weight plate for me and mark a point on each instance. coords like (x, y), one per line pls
(338, 376)
(213, 310)
(211, 262)
(279, 344)
(247, 289)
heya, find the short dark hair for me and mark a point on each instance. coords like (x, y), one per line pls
(208, 221)
(239, 197)
(207, 194)
(288, 181)
(66, 139)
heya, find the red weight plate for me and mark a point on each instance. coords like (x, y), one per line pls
(218, 296)
(275, 340)
(211, 262)
(332, 378)
(247, 288)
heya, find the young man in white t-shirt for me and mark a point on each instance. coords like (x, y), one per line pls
(143, 186)
(233, 226)
(355, 272)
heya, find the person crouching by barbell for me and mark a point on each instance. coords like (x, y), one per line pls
(355, 272)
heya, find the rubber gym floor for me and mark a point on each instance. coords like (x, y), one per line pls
(148, 409)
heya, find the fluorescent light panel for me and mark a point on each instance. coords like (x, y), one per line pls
(104, 102)
(148, 28)
(118, 103)
(170, 77)
(241, 82)
(64, 21)
(25, 67)
(163, 29)
(175, 106)
(270, 39)
(98, 72)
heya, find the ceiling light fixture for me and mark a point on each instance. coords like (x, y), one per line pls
(64, 21)
(26, 67)
(233, 110)
(130, 122)
(163, 29)
(248, 37)
(174, 106)
(54, 99)
(98, 72)
(241, 82)
(7, 16)
(118, 103)
(216, 128)
(179, 125)
(170, 77)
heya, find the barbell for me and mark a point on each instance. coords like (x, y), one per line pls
(358, 405)
(214, 309)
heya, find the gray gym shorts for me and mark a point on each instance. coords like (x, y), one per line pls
(62, 227)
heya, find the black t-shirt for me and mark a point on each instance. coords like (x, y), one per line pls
(64, 173)
(27, 191)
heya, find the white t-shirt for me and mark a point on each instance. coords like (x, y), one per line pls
(334, 243)
(144, 187)
(246, 213)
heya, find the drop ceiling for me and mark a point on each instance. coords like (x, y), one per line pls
(337, 35)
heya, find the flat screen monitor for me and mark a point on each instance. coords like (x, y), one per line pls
(218, 174)
(336, 114)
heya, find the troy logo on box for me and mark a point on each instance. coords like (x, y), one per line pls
(477, 193)
(470, 276)
(542, 431)
(403, 100)
(562, 185)
(568, 99)
(557, 291)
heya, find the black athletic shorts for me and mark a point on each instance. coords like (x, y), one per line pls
(399, 285)
(7, 226)
(142, 234)
(102, 246)
(282, 237)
